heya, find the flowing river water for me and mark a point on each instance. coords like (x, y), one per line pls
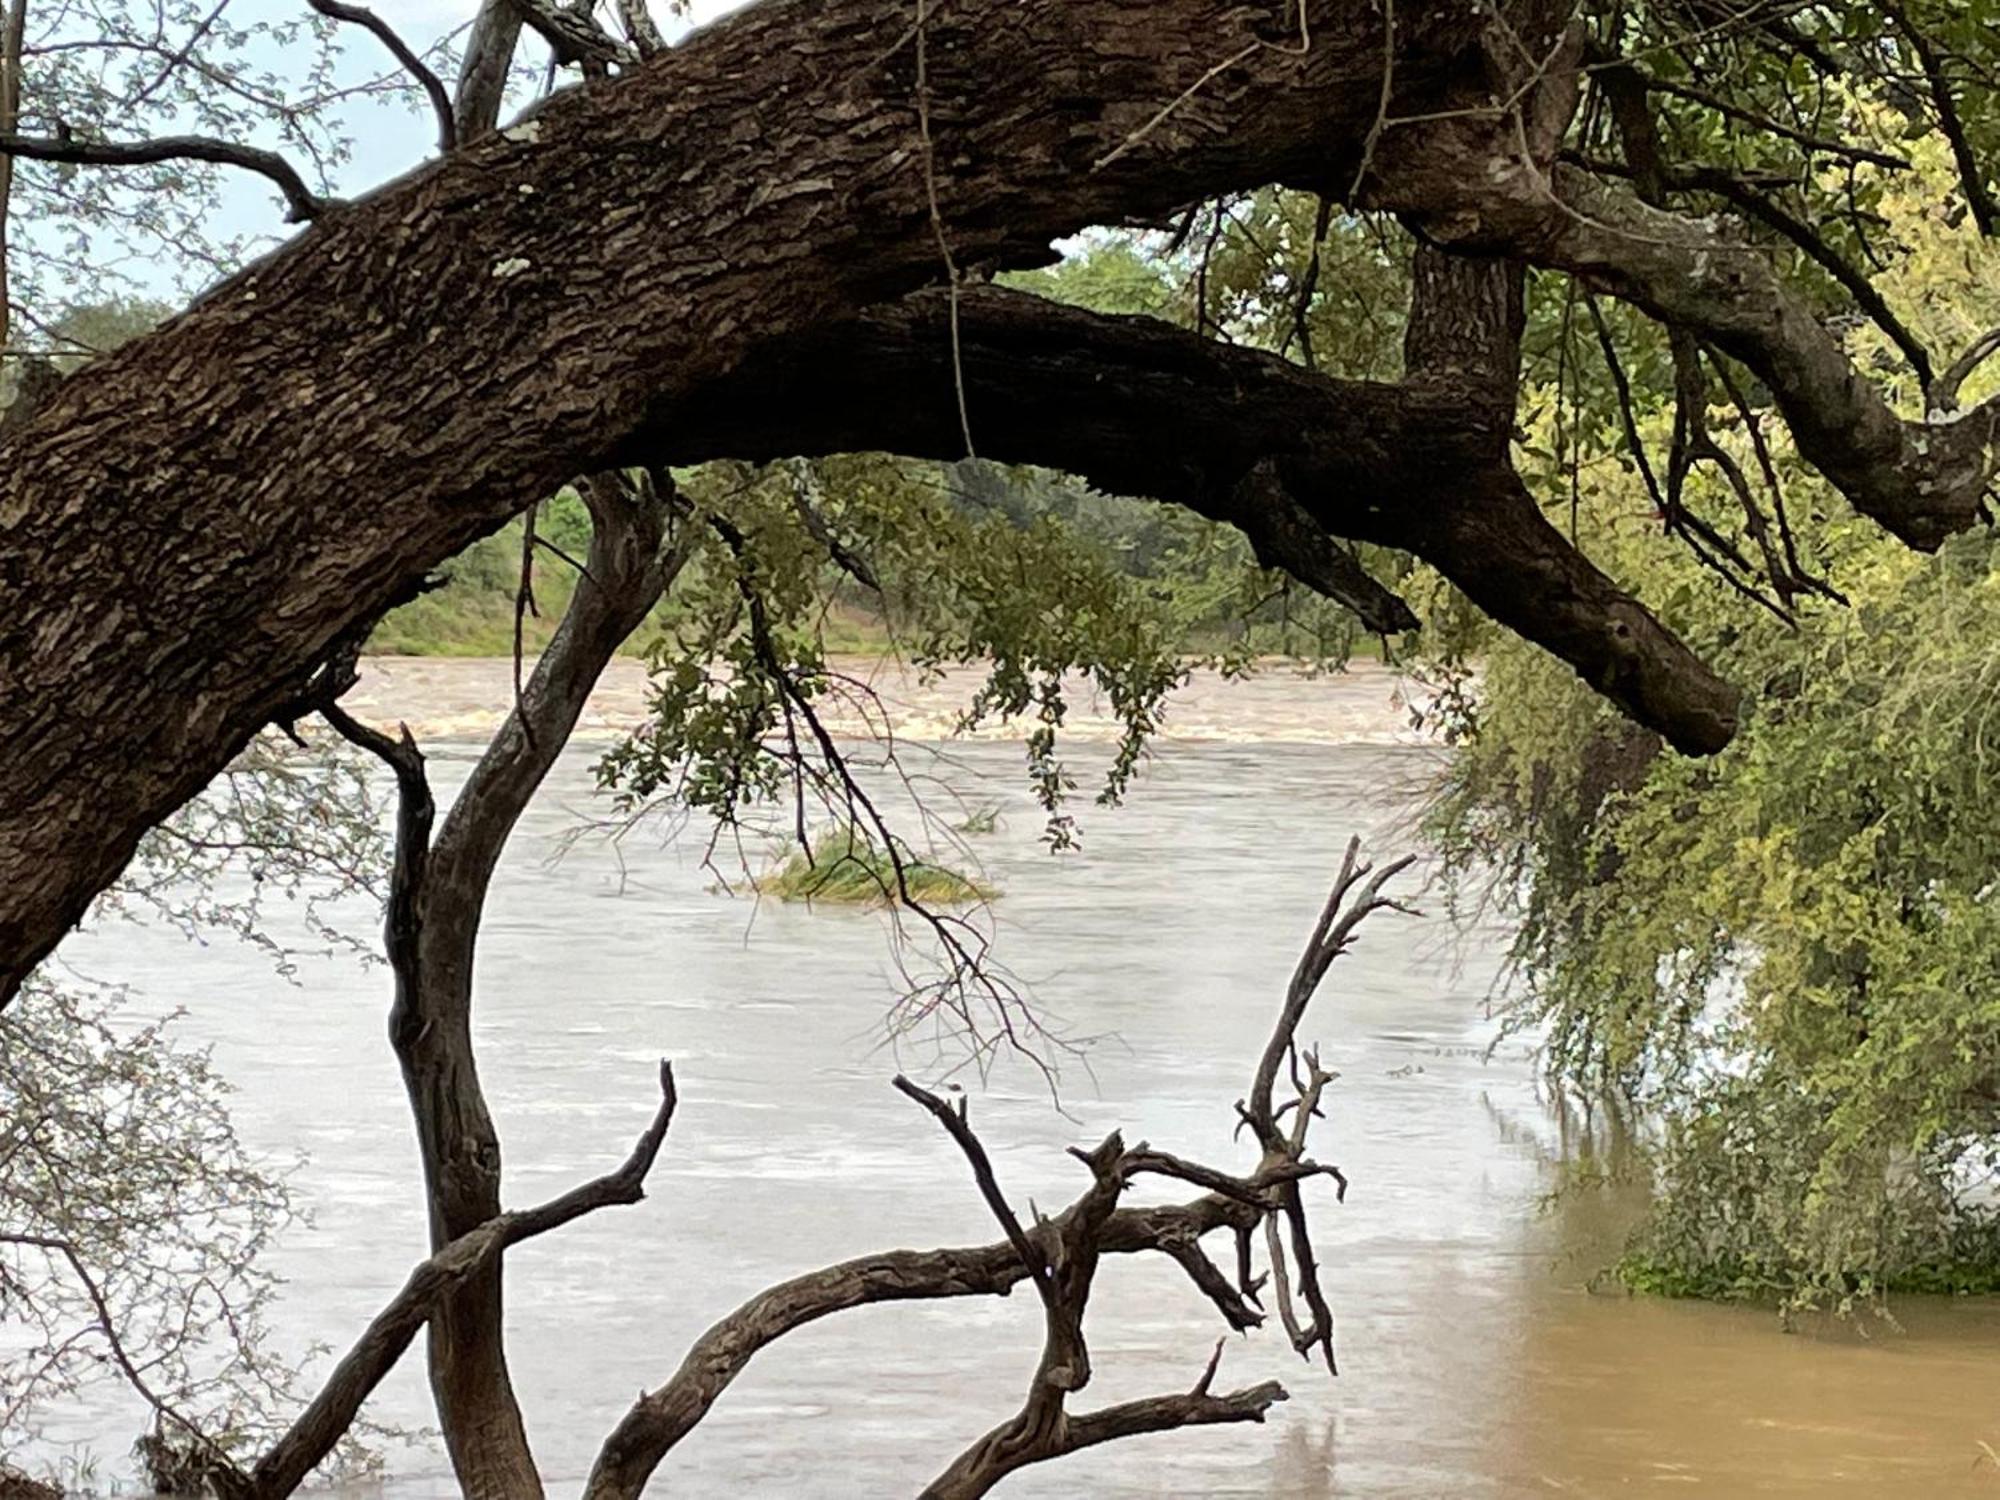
(1476, 1360)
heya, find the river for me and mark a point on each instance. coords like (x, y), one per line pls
(1475, 1359)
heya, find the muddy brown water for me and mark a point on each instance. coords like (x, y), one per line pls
(1475, 1359)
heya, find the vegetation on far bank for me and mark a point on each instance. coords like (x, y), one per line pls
(1220, 606)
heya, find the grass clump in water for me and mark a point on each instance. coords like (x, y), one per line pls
(982, 820)
(847, 867)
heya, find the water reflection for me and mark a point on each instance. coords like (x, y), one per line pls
(1475, 1361)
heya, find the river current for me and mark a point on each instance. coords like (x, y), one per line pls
(1476, 1359)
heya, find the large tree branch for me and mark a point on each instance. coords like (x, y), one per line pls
(194, 520)
(483, 70)
(1290, 457)
(1478, 179)
(1921, 480)
(13, 28)
(1758, 204)
(572, 33)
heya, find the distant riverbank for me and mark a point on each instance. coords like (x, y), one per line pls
(442, 697)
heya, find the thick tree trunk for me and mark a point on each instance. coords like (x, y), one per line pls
(440, 895)
(460, 1149)
(195, 521)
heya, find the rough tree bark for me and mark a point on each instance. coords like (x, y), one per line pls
(195, 521)
(439, 891)
(192, 525)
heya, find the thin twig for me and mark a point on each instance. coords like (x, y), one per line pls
(303, 202)
(951, 270)
(1136, 137)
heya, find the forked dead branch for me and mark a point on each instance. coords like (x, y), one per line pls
(1059, 1254)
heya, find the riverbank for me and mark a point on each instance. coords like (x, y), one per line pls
(462, 697)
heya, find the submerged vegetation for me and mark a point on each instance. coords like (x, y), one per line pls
(845, 866)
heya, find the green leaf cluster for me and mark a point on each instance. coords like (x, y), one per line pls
(1790, 952)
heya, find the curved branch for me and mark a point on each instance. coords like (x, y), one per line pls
(634, 556)
(959, 1129)
(1744, 195)
(1291, 458)
(992, 1459)
(1060, 1254)
(415, 810)
(303, 202)
(572, 34)
(662, 1418)
(429, 82)
(1942, 395)
(1162, 1413)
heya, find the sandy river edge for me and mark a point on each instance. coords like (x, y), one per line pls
(465, 698)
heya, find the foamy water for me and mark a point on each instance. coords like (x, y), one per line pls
(1367, 704)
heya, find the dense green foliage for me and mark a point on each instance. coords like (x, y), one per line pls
(1791, 952)
(740, 656)
(847, 867)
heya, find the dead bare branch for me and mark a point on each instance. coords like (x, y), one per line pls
(285, 1465)
(1060, 1255)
